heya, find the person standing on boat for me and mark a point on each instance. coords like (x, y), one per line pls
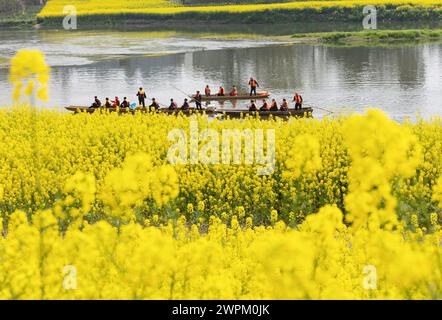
(125, 103)
(265, 106)
(234, 92)
(198, 97)
(185, 105)
(207, 91)
(274, 105)
(253, 85)
(173, 105)
(253, 106)
(97, 103)
(116, 102)
(284, 105)
(221, 92)
(298, 101)
(141, 98)
(154, 105)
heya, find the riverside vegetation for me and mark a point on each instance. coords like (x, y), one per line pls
(341, 10)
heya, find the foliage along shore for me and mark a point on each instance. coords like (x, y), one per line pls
(370, 36)
(26, 18)
(329, 14)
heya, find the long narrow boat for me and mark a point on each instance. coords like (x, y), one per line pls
(259, 95)
(299, 113)
(83, 109)
(304, 112)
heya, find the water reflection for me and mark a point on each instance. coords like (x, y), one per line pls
(401, 80)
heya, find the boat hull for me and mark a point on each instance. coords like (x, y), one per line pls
(304, 112)
(300, 113)
(260, 95)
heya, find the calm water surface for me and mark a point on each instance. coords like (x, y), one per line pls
(404, 80)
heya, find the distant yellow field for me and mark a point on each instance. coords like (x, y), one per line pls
(55, 8)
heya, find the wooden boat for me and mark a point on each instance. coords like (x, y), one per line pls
(304, 112)
(259, 95)
(83, 109)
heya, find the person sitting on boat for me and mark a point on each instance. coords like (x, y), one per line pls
(298, 101)
(234, 92)
(125, 103)
(185, 105)
(284, 105)
(265, 106)
(253, 85)
(96, 103)
(154, 105)
(173, 105)
(116, 102)
(253, 106)
(107, 104)
(141, 96)
(274, 105)
(198, 97)
(207, 91)
(221, 92)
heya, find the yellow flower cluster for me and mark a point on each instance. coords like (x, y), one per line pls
(103, 161)
(380, 150)
(322, 260)
(54, 8)
(29, 69)
(91, 208)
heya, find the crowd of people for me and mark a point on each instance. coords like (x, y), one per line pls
(197, 99)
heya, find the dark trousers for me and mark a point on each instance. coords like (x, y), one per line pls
(252, 91)
(141, 102)
(198, 105)
(298, 106)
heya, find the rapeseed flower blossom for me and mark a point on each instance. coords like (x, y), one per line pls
(54, 8)
(347, 193)
(29, 69)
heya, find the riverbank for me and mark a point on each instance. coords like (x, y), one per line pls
(370, 37)
(92, 13)
(27, 18)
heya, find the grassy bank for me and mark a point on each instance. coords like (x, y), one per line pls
(94, 12)
(370, 36)
(26, 17)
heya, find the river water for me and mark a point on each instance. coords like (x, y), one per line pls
(403, 80)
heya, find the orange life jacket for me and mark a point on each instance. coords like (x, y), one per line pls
(221, 90)
(298, 99)
(253, 83)
(207, 91)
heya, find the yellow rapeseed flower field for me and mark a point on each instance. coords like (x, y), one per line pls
(92, 208)
(54, 8)
(96, 194)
